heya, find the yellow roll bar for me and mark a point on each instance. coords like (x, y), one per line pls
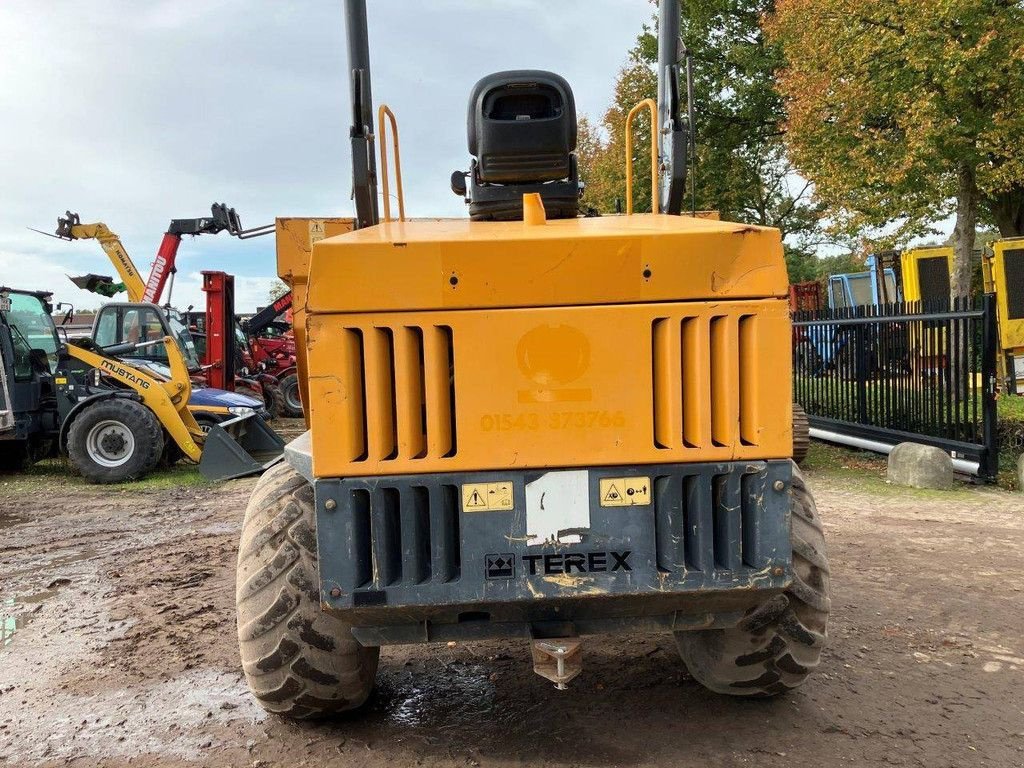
(652, 106)
(382, 111)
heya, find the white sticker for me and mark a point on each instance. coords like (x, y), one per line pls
(558, 507)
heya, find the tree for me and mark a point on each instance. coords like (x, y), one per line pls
(277, 289)
(741, 168)
(602, 151)
(901, 113)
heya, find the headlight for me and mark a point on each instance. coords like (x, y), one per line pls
(241, 410)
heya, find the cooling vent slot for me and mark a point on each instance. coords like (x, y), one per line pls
(933, 276)
(404, 535)
(1013, 269)
(704, 383)
(401, 386)
(707, 522)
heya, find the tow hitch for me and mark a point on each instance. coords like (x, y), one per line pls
(558, 660)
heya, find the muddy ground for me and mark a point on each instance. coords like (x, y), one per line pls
(118, 647)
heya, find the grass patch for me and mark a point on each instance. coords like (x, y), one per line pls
(1011, 407)
(55, 474)
(865, 471)
(1010, 431)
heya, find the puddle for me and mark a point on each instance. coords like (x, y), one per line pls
(412, 699)
(15, 613)
(18, 608)
(217, 529)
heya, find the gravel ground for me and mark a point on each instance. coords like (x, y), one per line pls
(118, 647)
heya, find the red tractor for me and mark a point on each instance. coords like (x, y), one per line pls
(273, 345)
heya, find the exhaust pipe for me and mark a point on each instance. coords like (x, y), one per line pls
(364, 163)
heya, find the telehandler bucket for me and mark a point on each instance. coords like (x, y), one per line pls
(240, 447)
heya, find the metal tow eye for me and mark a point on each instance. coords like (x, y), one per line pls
(558, 660)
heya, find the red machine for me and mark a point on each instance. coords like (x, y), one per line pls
(273, 345)
(227, 360)
(804, 297)
(221, 219)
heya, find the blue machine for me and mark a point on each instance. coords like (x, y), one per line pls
(864, 289)
(878, 286)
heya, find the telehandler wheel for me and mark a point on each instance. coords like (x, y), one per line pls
(115, 440)
(292, 400)
(299, 662)
(207, 421)
(778, 644)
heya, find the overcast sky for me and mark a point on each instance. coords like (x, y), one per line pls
(134, 113)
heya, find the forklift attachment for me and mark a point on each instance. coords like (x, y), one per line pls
(240, 447)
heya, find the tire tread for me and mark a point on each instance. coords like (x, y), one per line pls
(299, 661)
(779, 643)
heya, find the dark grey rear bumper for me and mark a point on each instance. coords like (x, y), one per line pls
(407, 560)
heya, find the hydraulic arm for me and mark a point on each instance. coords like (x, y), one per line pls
(221, 219)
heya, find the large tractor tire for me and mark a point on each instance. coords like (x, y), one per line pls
(273, 399)
(299, 662)
(115, 440)
(801, 434)
(292, 399)
(779, 643)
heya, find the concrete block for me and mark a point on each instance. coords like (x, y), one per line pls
(920, 466)
(1020, 473)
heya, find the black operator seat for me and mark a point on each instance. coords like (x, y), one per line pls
(522, 136)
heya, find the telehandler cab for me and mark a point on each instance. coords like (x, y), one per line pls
(531, 424)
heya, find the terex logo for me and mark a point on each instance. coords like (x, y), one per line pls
(124, 373)
(577, 562)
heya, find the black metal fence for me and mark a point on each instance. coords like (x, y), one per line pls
(903, 372)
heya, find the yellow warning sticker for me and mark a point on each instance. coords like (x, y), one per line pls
(60, 380)
(625, 491)
(487, 497)
(317, 231)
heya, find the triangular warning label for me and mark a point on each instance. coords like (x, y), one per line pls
(613, 494)
(476, 500)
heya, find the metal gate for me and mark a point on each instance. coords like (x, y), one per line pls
(903, 373)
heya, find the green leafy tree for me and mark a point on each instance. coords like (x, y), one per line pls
(602, 149)
(741, 169)
(902, 113)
